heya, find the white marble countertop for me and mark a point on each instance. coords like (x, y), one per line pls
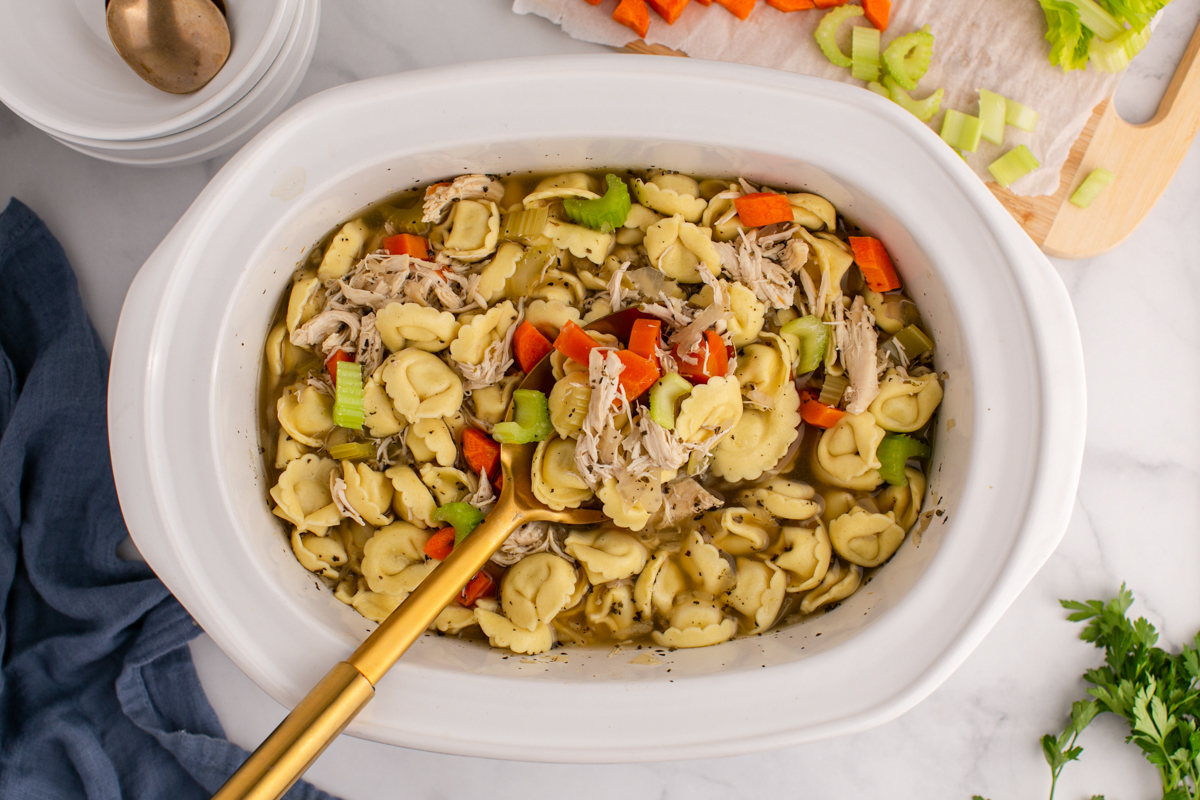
(1134, 521)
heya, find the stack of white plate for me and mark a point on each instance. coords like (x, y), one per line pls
(60, 72)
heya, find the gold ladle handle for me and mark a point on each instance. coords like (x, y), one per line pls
(329, 707)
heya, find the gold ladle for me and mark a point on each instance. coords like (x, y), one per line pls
(330, 706)
(174, 45)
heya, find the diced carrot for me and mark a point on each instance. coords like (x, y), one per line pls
(481, 452)
(646, 337)
(876, 266)
(739, 8)
(819, 414)
(638, 375)
(829, 3)
(406, 244)
(712, 360)
(440, 544)
(669, 10)
(529, 346)
(790, 5)
(877, 12)
(332, 362)
(763, 208)
(574, 343)
(482, 585)
(633, 14)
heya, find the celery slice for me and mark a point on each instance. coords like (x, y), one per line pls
(1096, 19)
(465, 518)
(912, 342)
(530, 422)
(1014, 164)
(864, 49)
(1020, 116)
(1114, 56)
(602, 214)
(907, 57)
(826, 33)
(808, 337)
(348, 397)
(893, 452)
(961, 131)
(524, 225)
(832, 390)
(408, 220)
(354, 451)
(992, 110)
(1091, 187)
(879, 89)
(665, 396)
(921, 109)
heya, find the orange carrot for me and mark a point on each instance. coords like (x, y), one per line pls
(877, 12)
(739, 8)
(634, 15)
(712, 360)
(481, 452)
(873, 260)
(406, 244)
(332, 362)
(820, 415)
(440, 544)
(639, 373)
(669, 10)
(529, 346)
(482, 585)
(593, 2)
(646, 337)
(574, 342)
(829, 3)
(763, 208)
(704, 2)
(789, 5)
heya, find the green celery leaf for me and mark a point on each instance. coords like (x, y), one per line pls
(1067, 36)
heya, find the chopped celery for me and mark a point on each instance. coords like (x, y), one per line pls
(1096, 19)
(465, 518)
(879, 89)
(1091, 187)
(602, 214)
(832, 390)
(1014, 164)
(913, 342)
(531, 267)
(354, 451)
(992, 111)
(665, 396)
(864, 50)
(921, 109)
(894, 451)
(408, 220)
(808, 337)
(961, 131)
(907, 57)
(1020, 116)
(1115, 56)
(348, 397)
(826, 33)
(531, 419)
(524, 225)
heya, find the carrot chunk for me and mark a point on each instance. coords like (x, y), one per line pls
(829, 3)
(440, 544)
(739, 8)
(638, 375)
(791, 5)
(820, 415)
(712, 360)
(877, 12)
(633, 14)
(876, 266)
(529, 346)
(406, 244)
(332, 362)
(482, 585)
(481, 452)
(763, 208)
(574, 343)
(669, 10)
(646, 337)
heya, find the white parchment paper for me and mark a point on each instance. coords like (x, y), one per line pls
(991, 44)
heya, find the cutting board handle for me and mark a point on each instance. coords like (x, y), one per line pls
(1144, 157)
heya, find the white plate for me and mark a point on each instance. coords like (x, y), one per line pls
(188, 354)
(59, 72)
(235, 126)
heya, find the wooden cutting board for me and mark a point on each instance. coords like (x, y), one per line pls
(1144, 157)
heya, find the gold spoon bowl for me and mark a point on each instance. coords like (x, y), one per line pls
(177, 46)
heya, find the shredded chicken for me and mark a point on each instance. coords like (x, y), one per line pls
(604, 372)
(370, 345)
(496, 359)
(337, 488)
(810, 291)
(684, 497)
(666, 450)
(464, 187)
(860, 361)
(615, 289)
(770, 282)
(327, 330)
(795, 256)
(321, 383)
(483, 498)
(530, 538)
(822, 296)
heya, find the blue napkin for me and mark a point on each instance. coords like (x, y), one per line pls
(98, 694)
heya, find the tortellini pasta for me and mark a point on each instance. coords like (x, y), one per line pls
(904, 501)
(840, 582)
(759, 440)
(302, 496)
(556, 480)
(658, 585)
(447, 484)
(474, 230)
(304, 301)
(380, 415)
(343, 251)
(306, 414)
(502, 633)
(671, 195)
(806, 557)
(494, 276)
(633, 516)
(568, 403)
(430, 440)
(537, 588)
(864, 538)
(421, 385)
(786, 499)
(607, 555)
(748, 315)
(696, 620)
(570, 184)
(765, 371)
(611, 607)
(846, 453)
(758, 594)
(320, 554)
(368, 492)
(710, 411)
(549, 316)
(411, 500)
(403, 325)
(579, 241)
(491, 402)
(481, 333)
(676, 248)
(388, 555)
(743, 531)
(706, 565)
(905, 405)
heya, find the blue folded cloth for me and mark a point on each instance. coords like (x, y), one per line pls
(98, 694)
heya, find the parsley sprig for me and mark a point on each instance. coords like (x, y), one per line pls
(1156, 692)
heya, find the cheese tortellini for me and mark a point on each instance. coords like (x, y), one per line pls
(607, 555)
(846, 454)
(906, 404)
(556, 480)
(677, 248)
(864, 538)
(759, 439)
(421, 385)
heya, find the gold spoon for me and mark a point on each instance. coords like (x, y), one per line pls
(330, 706)
(174, 45)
